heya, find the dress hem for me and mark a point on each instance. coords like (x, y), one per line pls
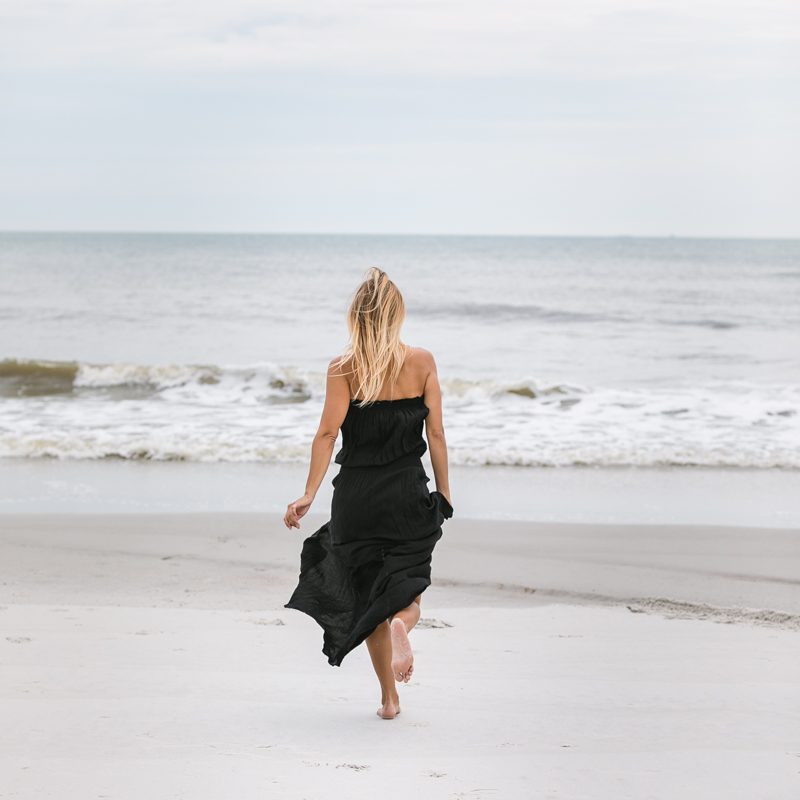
(335, 660)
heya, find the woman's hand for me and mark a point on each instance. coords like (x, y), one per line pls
(296, 510)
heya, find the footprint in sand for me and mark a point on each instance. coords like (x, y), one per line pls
(428, 622)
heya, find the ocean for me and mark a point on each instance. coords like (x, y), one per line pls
(551, 351)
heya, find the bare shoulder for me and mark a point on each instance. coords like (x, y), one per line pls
(423, 356)
(336, 366)
(423, 366)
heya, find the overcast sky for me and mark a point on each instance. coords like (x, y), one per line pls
(598, 117)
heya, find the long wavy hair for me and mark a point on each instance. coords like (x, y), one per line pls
(374, 353)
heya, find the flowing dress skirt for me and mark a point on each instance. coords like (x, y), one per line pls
(373, 557)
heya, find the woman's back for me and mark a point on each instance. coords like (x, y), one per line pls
(410, 382)
(382, 432)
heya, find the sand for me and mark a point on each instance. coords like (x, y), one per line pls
(149, 656)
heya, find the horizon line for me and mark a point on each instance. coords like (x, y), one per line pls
(177, 232)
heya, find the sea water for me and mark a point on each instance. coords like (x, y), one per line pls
(551, 351)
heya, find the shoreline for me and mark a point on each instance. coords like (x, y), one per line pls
(589, 495)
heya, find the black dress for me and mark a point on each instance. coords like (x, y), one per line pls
(373, 557)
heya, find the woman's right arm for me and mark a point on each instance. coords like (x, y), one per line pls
(434, 428)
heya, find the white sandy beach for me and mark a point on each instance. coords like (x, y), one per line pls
(150, 656)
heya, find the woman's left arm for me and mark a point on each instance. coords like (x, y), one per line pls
(337, 401)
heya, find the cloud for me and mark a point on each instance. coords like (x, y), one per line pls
(601, 116)
(468, 38)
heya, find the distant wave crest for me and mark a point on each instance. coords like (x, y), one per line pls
(36, 378)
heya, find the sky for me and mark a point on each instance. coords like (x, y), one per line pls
(568, 117)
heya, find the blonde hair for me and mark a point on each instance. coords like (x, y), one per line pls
(374, 352)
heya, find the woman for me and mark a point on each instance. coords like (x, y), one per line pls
(363, 572)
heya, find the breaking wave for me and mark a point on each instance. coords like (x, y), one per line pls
(269, 412)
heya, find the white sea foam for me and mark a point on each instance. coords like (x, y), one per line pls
(268, 412)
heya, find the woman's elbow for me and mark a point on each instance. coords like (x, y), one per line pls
(328, 436)
(435, 434)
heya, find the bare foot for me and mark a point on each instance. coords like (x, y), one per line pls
(389, 710)
(402, 655)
